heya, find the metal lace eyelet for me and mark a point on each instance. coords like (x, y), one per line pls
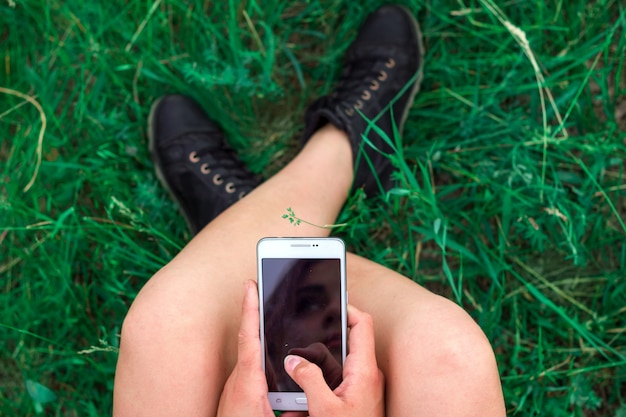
(375, 85)
(391, 63)
(242, 194)
(349, 112)
(358, 105)
(230, 188)
(366, 95)
(382, 76)
(205, 169)
(193, 157)
(217, 179)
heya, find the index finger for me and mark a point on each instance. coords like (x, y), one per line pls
(360, 340)
(249, 347)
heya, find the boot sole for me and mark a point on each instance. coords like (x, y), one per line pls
(157, 165)
(420, 70)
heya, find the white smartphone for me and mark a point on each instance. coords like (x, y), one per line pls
(303, 309)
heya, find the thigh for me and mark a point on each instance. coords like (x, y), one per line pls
(435, 359)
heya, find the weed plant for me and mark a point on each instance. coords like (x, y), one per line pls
(511, 195)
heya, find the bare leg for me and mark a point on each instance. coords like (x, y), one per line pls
(179, 338)
(436, 360)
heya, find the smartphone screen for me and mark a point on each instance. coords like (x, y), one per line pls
(303, 313)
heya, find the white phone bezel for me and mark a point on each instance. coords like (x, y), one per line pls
(300, 248)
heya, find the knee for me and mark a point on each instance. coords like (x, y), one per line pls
(152, 315)
(443, 339)
(462, 343)
(450, 361)
(169, 310)
(461, 337)
(140, 324)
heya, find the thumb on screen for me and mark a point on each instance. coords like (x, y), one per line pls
(309, 377)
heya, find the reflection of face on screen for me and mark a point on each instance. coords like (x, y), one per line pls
(302, 303)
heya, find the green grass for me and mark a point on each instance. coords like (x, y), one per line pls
(512, 203)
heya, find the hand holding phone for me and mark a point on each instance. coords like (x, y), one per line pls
(361, 393)
(303, 306)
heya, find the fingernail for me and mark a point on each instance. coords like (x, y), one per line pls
(291, 361)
